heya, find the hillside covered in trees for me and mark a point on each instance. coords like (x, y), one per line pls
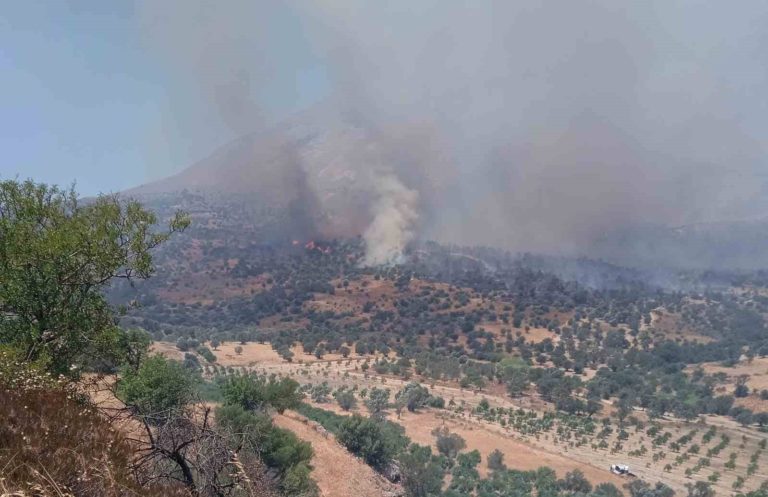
(458, 313)
(604, 356)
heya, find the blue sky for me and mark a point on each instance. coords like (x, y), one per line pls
(85, 98)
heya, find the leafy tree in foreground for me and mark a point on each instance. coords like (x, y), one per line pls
(56, 256)
(158, 389)
(283, 394)
(134, 347)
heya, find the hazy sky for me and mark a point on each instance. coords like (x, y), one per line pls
(85, 97)
(549, 116)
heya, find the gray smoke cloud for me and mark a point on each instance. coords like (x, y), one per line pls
(568, 120)
(529, 125)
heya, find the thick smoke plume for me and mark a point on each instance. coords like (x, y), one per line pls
(394, 220)
(543, 126)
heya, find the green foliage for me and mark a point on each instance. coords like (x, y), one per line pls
(56, 256)
(298, 481)
(464, 476)
(447, 443)
(280, 449)
(639, 488)
(209, 391)
(413, 396)
(283, 394)
(253, 392)
(158, 389)
(346, 399)
(515, 377)
(320, 393)
(422, 474)
(575, 481)
(700, 489)
(327, 419)
(377, 402)
(496, 460)
(133, 346)
(206, 354)
(376, 442)
(249, 429)
(606, 490)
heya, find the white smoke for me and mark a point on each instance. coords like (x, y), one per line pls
(395, 214)
(362, 187)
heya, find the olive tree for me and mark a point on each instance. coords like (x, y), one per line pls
(57, 255)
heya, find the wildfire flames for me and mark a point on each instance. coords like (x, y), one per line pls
(311, 245)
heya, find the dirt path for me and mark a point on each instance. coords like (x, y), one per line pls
(337, 472)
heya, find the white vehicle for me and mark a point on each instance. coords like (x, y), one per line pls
(620, 469)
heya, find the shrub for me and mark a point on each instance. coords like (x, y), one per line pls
(157, 389)
(256, 393)
(206, 353)
(413, 396)
(639, 488)
(607, 490)
(329, 420)
(575, 481)
(376, 442)
(496, 461)
(346, 400)
(448, 444)
(421, 472)
(377, 401)
(280, 449)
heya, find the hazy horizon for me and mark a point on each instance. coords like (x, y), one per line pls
(554, 124)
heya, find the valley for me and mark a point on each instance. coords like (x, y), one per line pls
(650, 458)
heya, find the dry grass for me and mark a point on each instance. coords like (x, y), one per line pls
(52, 444)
